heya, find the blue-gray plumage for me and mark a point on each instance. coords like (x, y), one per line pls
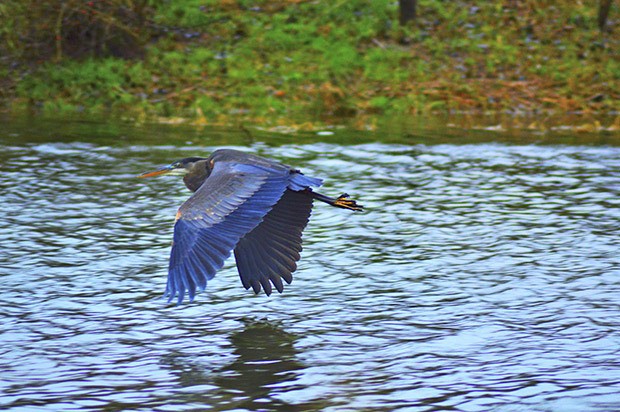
(246, 203)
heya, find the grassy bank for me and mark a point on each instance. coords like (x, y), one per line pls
(286, 61)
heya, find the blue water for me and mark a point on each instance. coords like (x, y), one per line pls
(483, 276)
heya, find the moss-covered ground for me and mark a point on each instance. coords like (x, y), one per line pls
(293, 62)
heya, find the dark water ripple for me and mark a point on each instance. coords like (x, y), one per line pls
(482, 277)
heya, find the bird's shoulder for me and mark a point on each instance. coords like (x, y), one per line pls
(230, 161)
(232, 158)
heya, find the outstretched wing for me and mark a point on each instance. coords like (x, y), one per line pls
(269, 252)
(230, 203)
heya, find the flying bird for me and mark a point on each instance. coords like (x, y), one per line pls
(246, 203)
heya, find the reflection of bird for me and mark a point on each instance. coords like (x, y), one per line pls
(264, 368)
(256, 206)
(266, 364)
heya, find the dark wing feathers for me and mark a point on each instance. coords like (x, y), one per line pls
(269, 253)
(231, 202)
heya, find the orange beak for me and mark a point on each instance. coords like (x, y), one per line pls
(164, 170)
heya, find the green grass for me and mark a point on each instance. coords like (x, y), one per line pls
(286, 59)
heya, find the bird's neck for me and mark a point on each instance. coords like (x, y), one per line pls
(196, 176)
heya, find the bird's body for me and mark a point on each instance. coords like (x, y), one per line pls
(246, 203)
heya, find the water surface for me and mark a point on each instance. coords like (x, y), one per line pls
(484, 275)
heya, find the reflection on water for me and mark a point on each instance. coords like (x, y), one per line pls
(266, 359)
(265, 364)
(482, 277)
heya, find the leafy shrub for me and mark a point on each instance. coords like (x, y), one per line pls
(39, 30)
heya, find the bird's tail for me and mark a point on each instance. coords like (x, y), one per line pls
(343, 201)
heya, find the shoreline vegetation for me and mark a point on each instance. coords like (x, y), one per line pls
(535, 64)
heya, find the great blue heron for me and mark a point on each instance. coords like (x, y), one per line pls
(246, 203)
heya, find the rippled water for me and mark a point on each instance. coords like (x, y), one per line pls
(482, 277)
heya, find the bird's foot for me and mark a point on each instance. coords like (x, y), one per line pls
(345, 202)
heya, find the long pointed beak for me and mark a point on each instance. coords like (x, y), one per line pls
(164, 170)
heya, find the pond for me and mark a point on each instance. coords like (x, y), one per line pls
(483, 275)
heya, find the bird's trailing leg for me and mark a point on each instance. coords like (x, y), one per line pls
(343, 201)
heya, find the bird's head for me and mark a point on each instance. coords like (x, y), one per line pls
(180, 167)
